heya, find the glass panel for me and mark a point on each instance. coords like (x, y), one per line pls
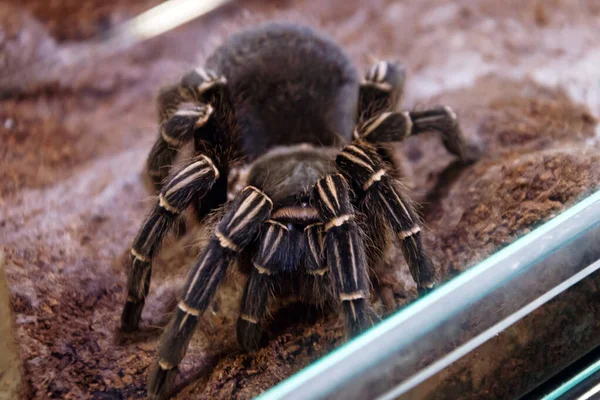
(395, 358)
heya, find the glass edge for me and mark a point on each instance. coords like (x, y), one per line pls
(573, 382)
(486, 335)
(319, 367)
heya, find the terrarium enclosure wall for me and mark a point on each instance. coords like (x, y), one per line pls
(513, 234)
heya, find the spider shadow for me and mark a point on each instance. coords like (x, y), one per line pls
(141, 335)
(444, 182)
(186, 379)
(295, 315)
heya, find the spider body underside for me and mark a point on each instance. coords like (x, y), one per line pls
(322, 200)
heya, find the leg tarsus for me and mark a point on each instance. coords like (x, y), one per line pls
(422, 291)
(160, 382)
(419, 263)
(254, 302)
(360, 316)
(131, 316)
(250, 335)
(444, 120)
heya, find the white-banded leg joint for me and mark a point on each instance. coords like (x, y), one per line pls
(227, 243)
(187, 309)
(139, 256)
(262, 270)
(165, 204)
(352, 296)
(249, 318)
(337, 221)
(410, 232)
(376, 177)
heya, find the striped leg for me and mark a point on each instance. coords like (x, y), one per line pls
(178, 126)
(192, 181)
(234, 232)
(396, 126)
(443, 120)
(274, 247)
(254, 304)
(384, 194)
(344, 250)
(174, 133)
(315, 262)
(381, 89)
(195, 86)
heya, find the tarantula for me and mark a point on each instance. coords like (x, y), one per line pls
(322, 200)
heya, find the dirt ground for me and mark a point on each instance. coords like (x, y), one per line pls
(522, 76)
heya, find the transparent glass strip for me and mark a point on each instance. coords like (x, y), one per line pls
(576, 380)
(404, 329)
(472, 344)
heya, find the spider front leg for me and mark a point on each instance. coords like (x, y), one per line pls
(235, 231)
(191, 182)
(381, 193)
(344, 251)
(273, 249)
(199, 86)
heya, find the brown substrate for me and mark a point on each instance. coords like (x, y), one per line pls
(72, 198)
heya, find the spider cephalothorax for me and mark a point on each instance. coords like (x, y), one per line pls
(322, 201)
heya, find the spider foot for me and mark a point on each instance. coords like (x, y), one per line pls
(249, 334)
(160, 381)
(422, 290)
(131, 316)
(471, 153)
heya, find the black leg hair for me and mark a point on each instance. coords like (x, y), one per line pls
(381, 193)
(174, 133)
(315, 262)
(381, 89)
(201, 87)
(235, 231)
(192, 181)
(274, 245)
(396, 126)
(254, 304)
(196, 86)
(345, 251)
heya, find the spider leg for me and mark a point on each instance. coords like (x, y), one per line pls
(442, 119)
(192, 181)
(381, 89)
(199, 86)
(273, 249)
(235, 231)
(177, 127)
(383, 194)
(344, 250)
(396, 126)
(174, 133)
(254, 304)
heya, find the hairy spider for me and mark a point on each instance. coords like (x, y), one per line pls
(322, 201)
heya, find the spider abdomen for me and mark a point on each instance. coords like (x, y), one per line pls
(289, 85)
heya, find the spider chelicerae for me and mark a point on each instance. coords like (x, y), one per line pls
(322, 201)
